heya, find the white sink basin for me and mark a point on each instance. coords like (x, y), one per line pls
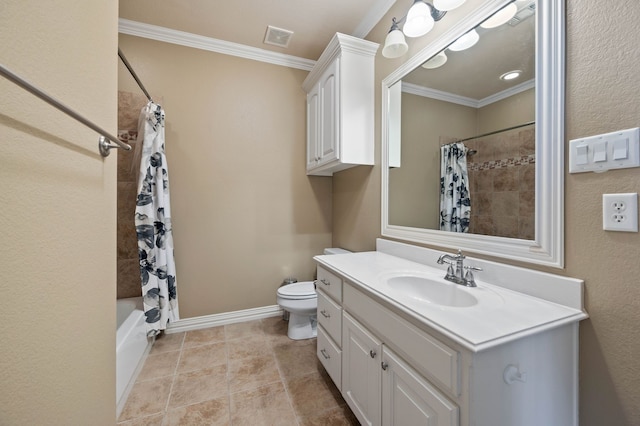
(438, 292)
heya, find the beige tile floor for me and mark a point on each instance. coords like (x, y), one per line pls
(248, 373)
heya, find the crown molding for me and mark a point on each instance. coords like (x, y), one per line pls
(182, 38)
(530, 84)
(415, 89)
(426, 92)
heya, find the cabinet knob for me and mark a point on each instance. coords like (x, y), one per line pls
(512, 374)
(325, 282)
(325, 314)
(372, 353)
(384, 365)
(324, 354)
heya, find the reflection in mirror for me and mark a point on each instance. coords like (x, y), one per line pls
(509, 131)
(459, 96)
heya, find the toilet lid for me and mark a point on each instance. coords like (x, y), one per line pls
(301, 290)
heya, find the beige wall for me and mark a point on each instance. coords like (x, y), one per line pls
(602, 96)
(512, 111)
(414, 187)
(245, 215)
(57, 220)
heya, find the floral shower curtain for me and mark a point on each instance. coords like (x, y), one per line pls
(153, 224)
(455, 204)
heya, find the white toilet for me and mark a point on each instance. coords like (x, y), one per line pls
(301, 301)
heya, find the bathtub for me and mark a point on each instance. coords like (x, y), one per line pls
(132, 345)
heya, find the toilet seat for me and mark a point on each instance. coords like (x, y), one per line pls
(298, 291)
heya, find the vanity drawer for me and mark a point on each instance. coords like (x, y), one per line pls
(330, 283)
(330, 317)
(330, 356)
(426, 354)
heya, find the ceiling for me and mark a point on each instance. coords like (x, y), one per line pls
(472, 73)
(313, 22)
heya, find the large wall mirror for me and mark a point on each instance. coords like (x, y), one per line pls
(505, 137)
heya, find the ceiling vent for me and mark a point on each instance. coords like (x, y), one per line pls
(278, 36)
(524, 13)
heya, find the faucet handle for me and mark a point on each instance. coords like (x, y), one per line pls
(450, 272)
(469, 279)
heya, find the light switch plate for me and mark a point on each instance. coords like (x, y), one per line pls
(616, 150)
(620, 212)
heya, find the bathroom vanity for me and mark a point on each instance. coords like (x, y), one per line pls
(404, 346)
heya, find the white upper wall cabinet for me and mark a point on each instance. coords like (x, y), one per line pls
(340, 106)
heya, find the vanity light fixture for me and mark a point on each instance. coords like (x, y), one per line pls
(418, 21)
(395, 44)
(465, 41)
(437, 61)
(510, 75)
(502, 16)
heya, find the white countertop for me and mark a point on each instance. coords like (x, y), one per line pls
(501, 315)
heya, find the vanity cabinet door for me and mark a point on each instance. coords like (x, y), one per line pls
(361, 371)
(409, 399)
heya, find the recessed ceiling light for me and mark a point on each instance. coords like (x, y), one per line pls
(510, 75)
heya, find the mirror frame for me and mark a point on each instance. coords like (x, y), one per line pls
(548, 246)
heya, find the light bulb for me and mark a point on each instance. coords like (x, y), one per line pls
(465, 41)
(394, 45)
(437, 61)
(419, 20)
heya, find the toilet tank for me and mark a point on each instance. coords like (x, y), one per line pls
(335, 250)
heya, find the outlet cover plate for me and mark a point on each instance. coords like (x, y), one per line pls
(620, 212)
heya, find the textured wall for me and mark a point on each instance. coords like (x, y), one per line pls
(602, 96)
(245, 215)
(58, 252)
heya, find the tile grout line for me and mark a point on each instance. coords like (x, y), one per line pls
(228, 379)
(175, 375)
(284, 382)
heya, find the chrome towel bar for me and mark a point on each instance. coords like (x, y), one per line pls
(104, 145)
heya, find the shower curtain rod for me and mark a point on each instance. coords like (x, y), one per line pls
(133, 73)
(494, 132)
(104, 146)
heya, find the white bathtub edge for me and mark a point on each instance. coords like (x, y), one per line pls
(134, 376)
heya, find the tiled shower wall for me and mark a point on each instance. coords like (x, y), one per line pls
(502, 184)
(129, 106)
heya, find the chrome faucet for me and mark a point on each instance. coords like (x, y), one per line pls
(457, 274)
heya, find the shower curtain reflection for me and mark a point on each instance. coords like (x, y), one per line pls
(455, 202)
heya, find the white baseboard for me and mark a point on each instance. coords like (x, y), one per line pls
(215, 320)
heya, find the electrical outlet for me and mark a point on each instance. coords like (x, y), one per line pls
(620, 212)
